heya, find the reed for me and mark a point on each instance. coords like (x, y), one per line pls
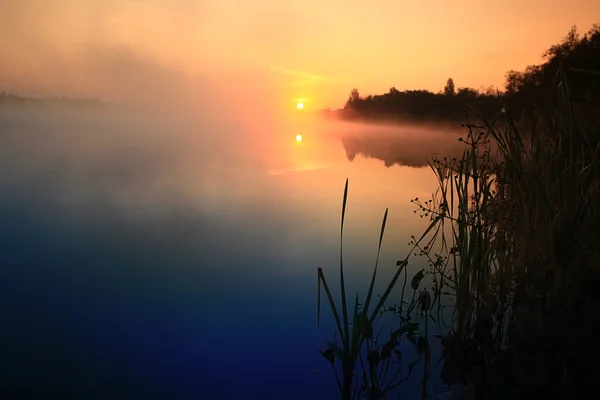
(369, 360)
(515, 249)
(512, 248)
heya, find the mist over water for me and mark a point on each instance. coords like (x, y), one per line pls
(138, 248)
(166, 245)
(163, 253)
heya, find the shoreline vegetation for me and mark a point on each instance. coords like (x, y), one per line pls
(523, 90)
(511, 248)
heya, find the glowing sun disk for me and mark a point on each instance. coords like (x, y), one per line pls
(298, 138)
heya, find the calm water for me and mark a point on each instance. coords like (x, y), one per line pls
(162, 261)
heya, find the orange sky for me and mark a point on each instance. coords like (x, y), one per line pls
(317, 50)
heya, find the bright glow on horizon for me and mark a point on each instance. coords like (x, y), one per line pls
(233, 49)
(298, 138)
(300, 106)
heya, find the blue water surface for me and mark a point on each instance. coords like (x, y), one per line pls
(143, 268)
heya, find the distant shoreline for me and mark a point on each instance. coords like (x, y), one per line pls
(10, 100)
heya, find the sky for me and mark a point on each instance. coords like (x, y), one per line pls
(273, 52)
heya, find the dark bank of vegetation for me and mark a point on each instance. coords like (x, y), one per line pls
(512, 250)
(577, 54)
(416, 106)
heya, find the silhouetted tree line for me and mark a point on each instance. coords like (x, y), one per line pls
(578, 57)
(419, 105)
(576, 60)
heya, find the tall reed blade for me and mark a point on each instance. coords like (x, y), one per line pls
(346, 331)
(363, 317)
(322, 281)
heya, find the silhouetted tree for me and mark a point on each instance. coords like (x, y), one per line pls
(578, 57)
(468, 92)
(566, 47)
(514, 80)
(449, 89)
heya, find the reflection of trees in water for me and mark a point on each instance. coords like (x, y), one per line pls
(350, 154)
(409, 152)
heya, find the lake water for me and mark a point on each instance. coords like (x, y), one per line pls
(160, 260)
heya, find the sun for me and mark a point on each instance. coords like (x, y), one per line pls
(300, 106)
(298, 138)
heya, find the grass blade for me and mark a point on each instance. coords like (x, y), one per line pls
(334, 311)
(346, 332)
(372, 285)
(392, 283)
